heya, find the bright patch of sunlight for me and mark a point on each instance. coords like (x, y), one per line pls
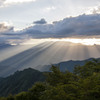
(90, 41)
(81, 41)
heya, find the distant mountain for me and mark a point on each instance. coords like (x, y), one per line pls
(67, 65)
(20, 81)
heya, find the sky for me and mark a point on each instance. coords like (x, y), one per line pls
(51, 30)
(24, 19)
(22, 13)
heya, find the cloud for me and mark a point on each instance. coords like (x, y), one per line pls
(93, 10)
(80, 26)
(83, 25)
(5, 27)
(4, 3)
(48, 9)
(42, 21)
(96, 10)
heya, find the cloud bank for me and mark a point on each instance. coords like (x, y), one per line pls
(83, 25)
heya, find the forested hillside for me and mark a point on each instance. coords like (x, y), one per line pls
(82, 84)
(20, 81)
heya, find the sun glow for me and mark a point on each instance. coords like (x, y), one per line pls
(90, 41)
(81, 41)
(40, 52)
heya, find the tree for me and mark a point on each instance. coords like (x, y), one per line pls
(83, 84)
(36, 91)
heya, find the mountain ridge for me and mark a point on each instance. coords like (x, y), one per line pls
(20, 81)
(67, 65)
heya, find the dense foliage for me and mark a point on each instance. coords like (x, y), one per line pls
(20, 81)
(82, 84)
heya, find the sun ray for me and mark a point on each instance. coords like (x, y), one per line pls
(36, 52)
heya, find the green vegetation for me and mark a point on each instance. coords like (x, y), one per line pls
(82, 84)
(20, 81)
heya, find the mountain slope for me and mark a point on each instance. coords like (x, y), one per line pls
(67, 65)
(23, 80)
(20, 81)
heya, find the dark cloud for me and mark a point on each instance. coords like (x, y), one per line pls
(42, 21)
(83, 25)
